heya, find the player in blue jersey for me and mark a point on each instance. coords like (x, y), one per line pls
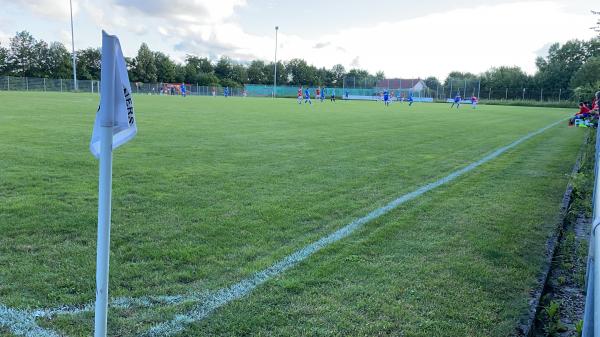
(347, 94)
(307, 96)
(456, 101)
(322, 95)
(410, 99)
(226, 92)
(182, 89)
(386, 98)
(332, 95)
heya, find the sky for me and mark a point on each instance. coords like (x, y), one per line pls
(406, 39)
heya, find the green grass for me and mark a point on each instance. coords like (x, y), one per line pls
(213, 190)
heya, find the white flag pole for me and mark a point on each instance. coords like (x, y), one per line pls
(107, 105)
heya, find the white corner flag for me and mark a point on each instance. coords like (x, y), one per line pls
(118, 111)
(114, 126)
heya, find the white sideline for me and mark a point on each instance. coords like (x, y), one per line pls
(23, 322)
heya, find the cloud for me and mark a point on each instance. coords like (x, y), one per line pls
(45, 8)
(320, 45)
(191, 11)
(433, 51)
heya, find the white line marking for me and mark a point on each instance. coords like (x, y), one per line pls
(244, 287)
(22, 323)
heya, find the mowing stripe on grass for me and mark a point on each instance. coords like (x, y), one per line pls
(23, 322)
(246, 286)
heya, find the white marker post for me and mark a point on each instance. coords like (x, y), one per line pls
(114, 126)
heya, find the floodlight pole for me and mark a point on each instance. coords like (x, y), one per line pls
(73, 45)
(275, 65)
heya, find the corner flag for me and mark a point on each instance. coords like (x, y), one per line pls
(118, 111)
(114, 126)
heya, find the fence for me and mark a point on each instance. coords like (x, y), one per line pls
(10, 83)
(591, 318)
(350, 85)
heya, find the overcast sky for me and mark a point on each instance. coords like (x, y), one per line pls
(402, 38)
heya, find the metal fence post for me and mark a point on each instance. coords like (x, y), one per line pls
(506, 96)
(541, 94)
(490, 94)
(44, 84)
(8, 83)
(523, 94)
(26, 84)
(61, 86)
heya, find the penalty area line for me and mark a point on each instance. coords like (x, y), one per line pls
(246, 286)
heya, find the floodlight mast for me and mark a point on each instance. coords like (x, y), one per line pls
(73, 46)
(275, 65)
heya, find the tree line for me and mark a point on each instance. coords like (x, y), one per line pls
(573, 66)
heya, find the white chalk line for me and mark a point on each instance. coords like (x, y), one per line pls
(23, 322)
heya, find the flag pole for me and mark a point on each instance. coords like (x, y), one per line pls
(107, 104)
(73, 45)
(275, 70)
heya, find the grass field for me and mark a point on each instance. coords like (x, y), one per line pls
(213, 190)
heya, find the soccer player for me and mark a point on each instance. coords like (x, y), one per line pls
(300, 95)
(183, 89)
(457, 100)
(347, 94)
(318, 93)
(307, 96)
(474, 102)
(333, 95)
(322, 95)
(226, 92)
(410, 100)
(386, 98)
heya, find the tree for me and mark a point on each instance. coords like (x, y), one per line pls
(301, 73)
(380, 75)
(144, 66)
(224, 68)
(357, 78)
(165, 68)
(239, 74)
(209, 79)
(282, 73)
(257, 73)
(505, 77)
(458, 75)
(179, 73)
(58, 63)
(3, 60)
(88, 64)
(21, 55)
(432, 82)
(196, 67)
(338, 72)
(588, 75)
(324, 77)
(556, 70)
